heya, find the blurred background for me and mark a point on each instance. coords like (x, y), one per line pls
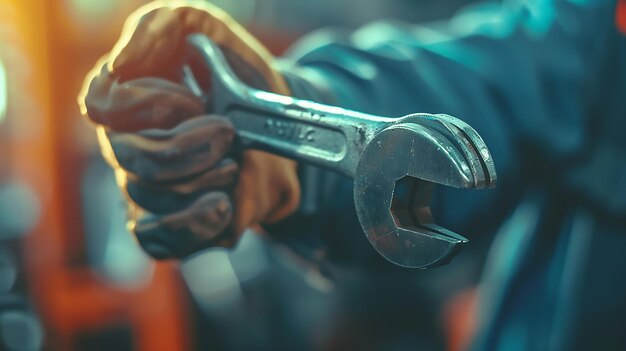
(71, 276)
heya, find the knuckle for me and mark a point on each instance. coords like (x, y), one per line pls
(159, 199)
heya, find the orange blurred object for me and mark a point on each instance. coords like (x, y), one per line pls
(620, 16)
(460, 319)
(50, 52)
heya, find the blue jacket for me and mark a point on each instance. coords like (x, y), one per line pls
(544, 83)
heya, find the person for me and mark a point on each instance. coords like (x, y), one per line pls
(542, 82)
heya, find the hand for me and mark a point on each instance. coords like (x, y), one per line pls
(187, 187)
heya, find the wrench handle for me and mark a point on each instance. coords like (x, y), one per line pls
(310, 135)
(318, 134)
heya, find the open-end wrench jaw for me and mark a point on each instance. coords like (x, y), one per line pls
(401, 165)
(395, 162)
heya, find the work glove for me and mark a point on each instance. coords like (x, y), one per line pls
(187, 186)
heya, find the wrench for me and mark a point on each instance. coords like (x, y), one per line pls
(394, 162)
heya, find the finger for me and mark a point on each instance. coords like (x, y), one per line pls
(182, 233)
(223, 174)
(167, 198)
(186, 150)
(151, 46)
(96, 87)
(139, 104)
(166, 50)
(150, 103)
(131, 47)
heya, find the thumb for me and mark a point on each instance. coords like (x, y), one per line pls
(149, 44)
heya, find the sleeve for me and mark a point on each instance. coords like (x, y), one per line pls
(518, 72)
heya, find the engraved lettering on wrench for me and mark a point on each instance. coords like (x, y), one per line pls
(290, 131)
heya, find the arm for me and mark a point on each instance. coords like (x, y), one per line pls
(518, 73)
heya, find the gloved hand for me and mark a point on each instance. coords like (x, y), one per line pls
(185, 184)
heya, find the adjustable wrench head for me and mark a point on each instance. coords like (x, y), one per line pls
(395, 177)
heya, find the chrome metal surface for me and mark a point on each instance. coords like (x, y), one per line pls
(379, 153)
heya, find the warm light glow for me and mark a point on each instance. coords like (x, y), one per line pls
(92, 12)
(3, 92)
